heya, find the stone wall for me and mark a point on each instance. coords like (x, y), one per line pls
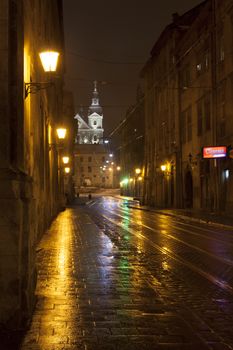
(31, 192)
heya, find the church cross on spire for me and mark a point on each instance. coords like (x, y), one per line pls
(95, 99)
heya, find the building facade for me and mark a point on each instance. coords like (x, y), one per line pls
(127, 140)
(162, 109)
(94, 163)
(31, 181)
(91, 132)
(188, 103)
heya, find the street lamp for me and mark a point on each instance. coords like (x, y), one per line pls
(61, 133)
(163, 167)
(67, 170)
(65, 160)
(137, 171)
(49, 60)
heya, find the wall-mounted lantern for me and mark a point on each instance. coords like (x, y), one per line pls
(65, 160)
(61, 133)
(67, 170)
(49, 60)
(163, 167)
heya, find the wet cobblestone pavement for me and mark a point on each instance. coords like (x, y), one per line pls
(106, 283)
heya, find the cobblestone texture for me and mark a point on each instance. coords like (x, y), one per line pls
(97, 290)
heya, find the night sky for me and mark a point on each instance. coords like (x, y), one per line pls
(110, 41)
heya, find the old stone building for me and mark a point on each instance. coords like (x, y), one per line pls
(188, 107)
(127, 140)
(94, 162)
(31, 183)
(163, 174)
(91, 132)
(223, 101)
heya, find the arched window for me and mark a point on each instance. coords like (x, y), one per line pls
(95, 139)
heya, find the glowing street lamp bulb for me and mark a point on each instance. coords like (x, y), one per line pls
(130, 180)
(49, 60)
(163, 167)
(110, 169)
(111, 155)
(137, 171)
(125, 181)
(65, 160)
(61, 133)
(118, 168)
(106, 141)
(67, 170)
(140, 178)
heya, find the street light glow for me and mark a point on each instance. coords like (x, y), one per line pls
(65, 159)
(49, 60)
(67, 170)
(138, 171)
(61, 133)
(163, 167)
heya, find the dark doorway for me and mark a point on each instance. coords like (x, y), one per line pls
(188, 189)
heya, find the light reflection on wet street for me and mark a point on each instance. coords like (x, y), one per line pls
(113, 277)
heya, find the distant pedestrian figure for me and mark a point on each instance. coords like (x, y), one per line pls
(89, 196)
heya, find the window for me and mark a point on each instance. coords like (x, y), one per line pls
(189, 124)
(207, 113)
(221, 104)
(220, 47)
(81, 159)
(186, 118)
(199, 118)
(183, 127)
(94, 122)
(203, 115)
(89, 159)
(186, 76)
(103, 159)
(89, 169)
(202, 62)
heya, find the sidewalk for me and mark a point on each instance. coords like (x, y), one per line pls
(185, 214)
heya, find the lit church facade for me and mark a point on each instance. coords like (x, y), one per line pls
(91, 132)
(94, 163)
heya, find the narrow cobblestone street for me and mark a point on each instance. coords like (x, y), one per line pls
(98, 289)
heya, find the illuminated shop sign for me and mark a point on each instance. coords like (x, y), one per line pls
(215, 152)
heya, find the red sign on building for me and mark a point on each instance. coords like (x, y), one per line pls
(214, 152)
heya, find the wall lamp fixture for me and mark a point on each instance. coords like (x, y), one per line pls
(61, 133)
(65, 159)
(49, 60)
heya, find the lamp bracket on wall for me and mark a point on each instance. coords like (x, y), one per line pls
(33, 88)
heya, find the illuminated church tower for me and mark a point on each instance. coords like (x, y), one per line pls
(91, 132)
